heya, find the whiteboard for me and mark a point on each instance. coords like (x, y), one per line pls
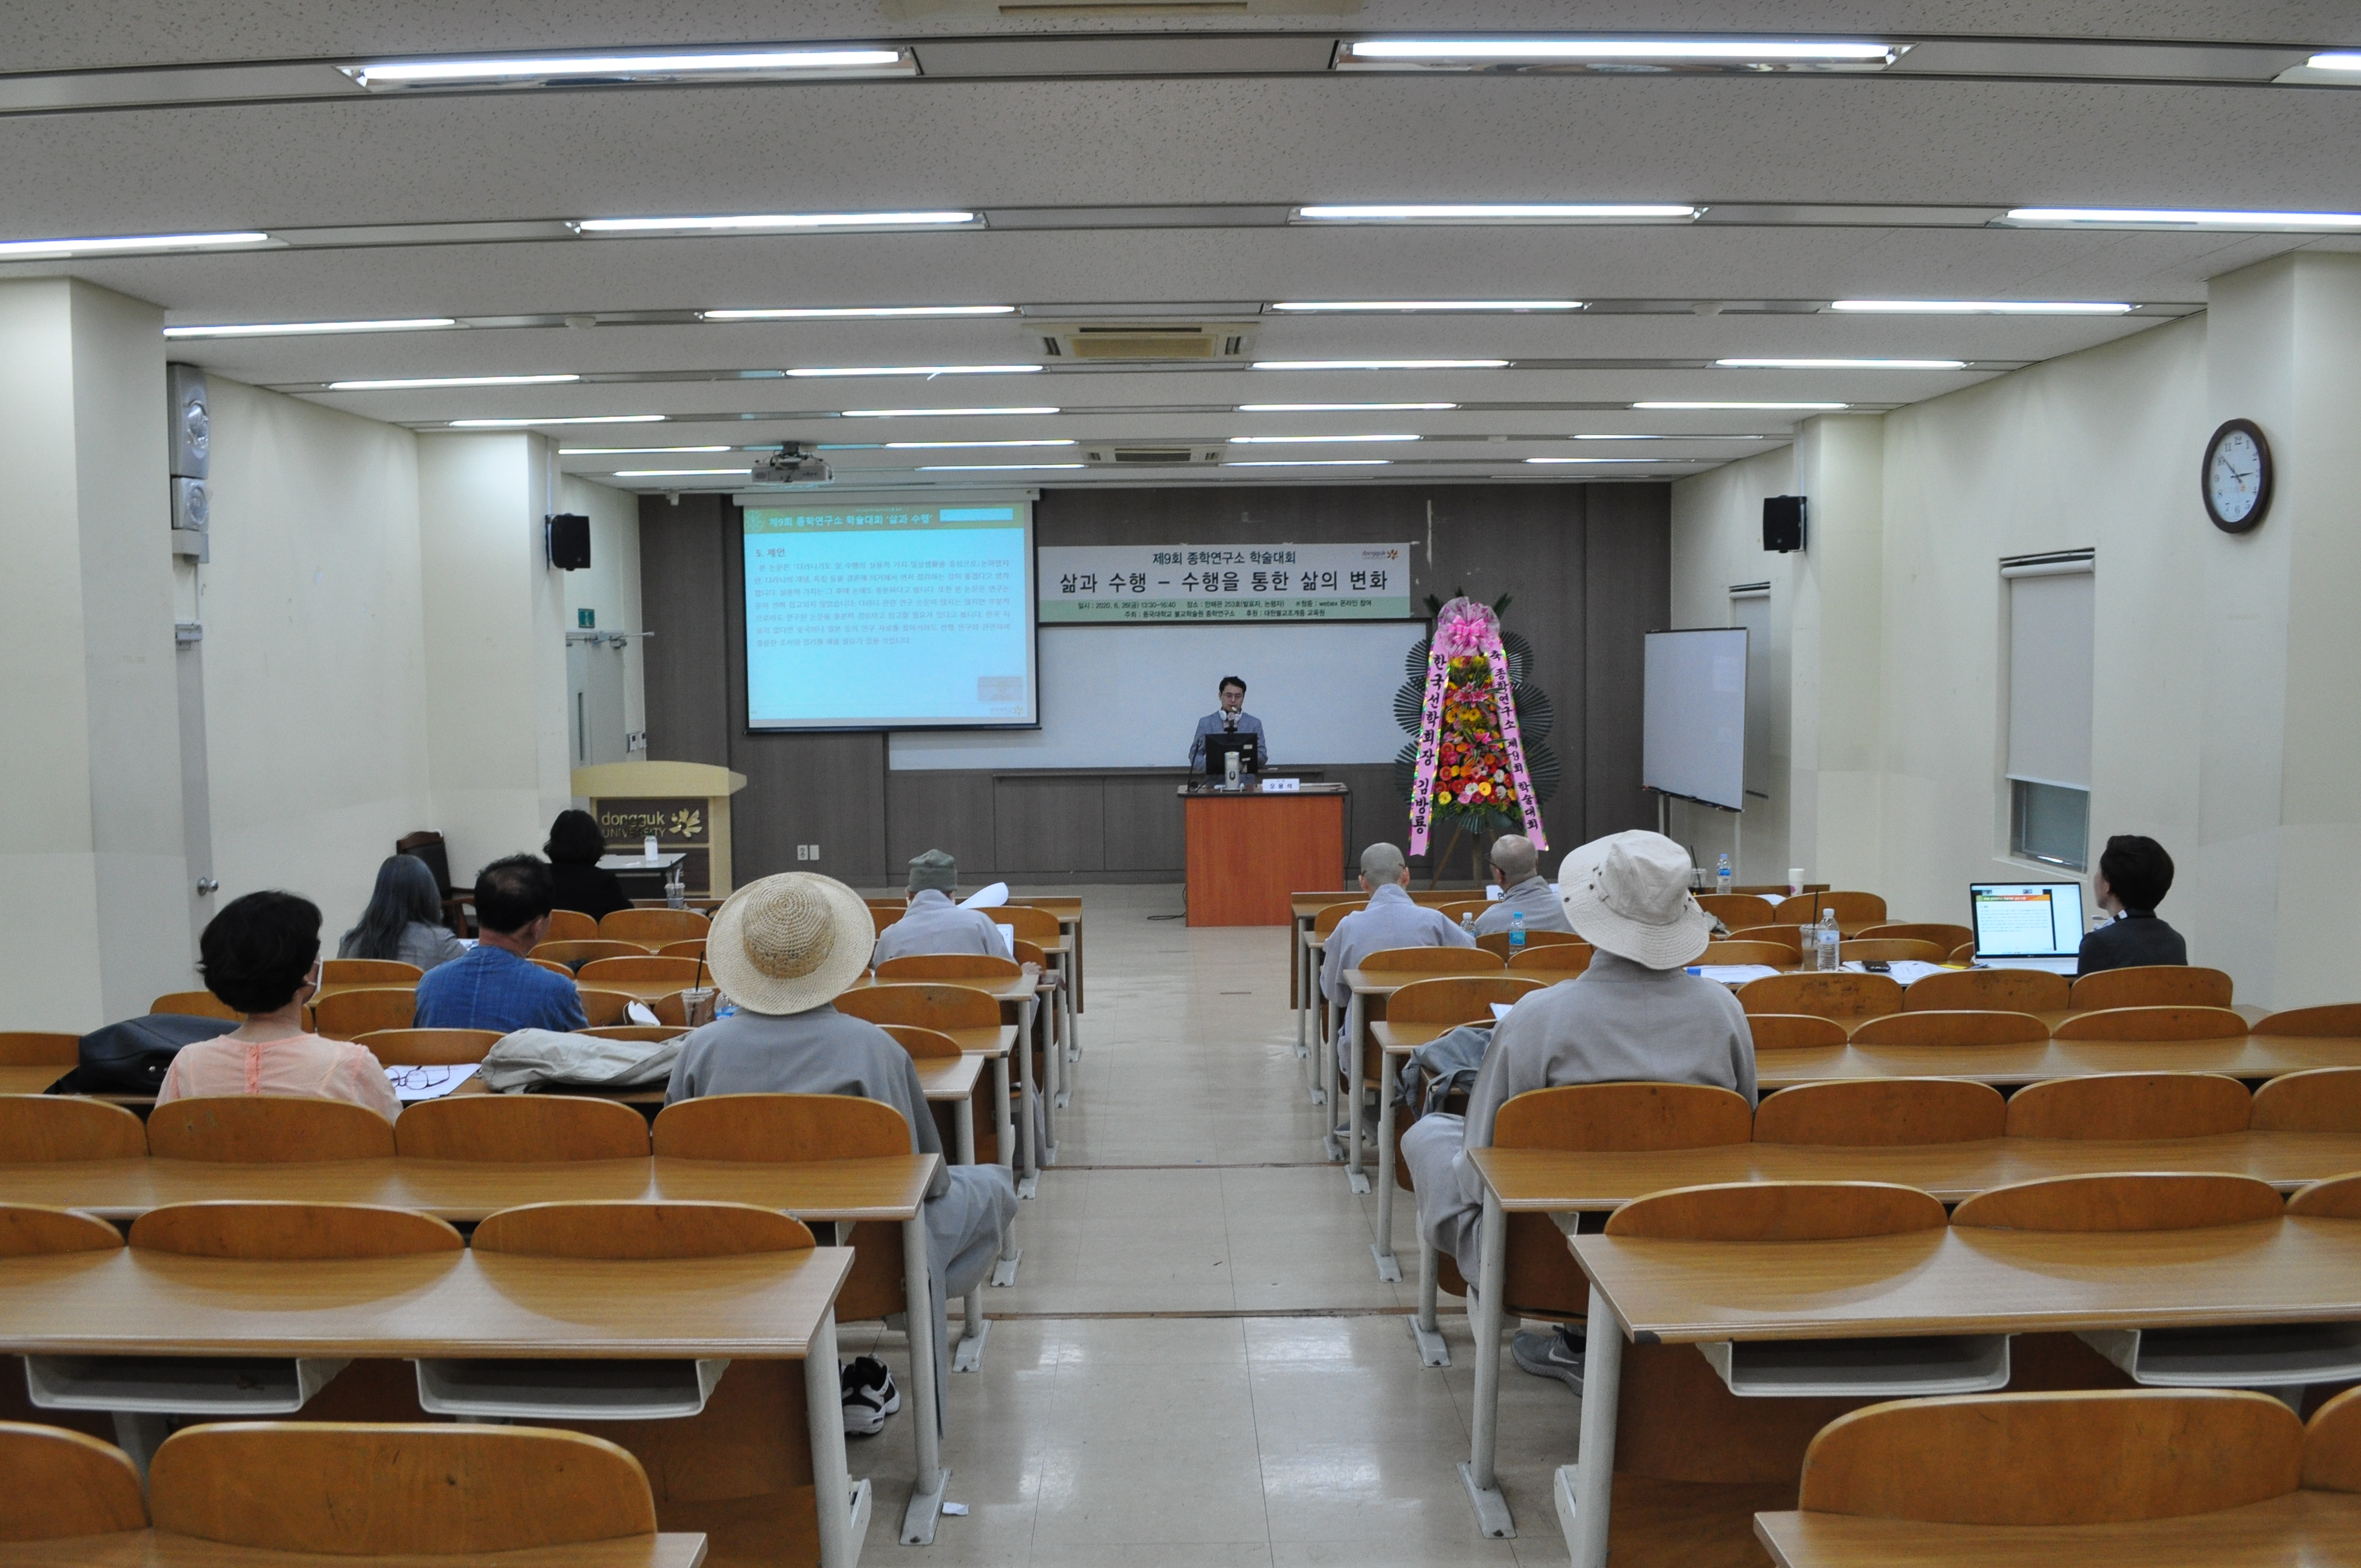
(1693, 728)
(1129, 696)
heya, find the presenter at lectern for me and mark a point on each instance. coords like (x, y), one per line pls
(1231, 718)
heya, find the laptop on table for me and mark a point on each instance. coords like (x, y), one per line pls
(2027, 924)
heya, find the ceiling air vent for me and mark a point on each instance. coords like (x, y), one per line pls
(1166, 456)
(1200, 343)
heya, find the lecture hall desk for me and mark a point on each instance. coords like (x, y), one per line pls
(457, 1304)
(158, 1548)
(1018, 998)
(1951, 1281)
(2291, 1531)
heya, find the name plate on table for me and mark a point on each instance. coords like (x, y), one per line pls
(1282, 786)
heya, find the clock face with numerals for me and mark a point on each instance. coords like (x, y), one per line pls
(2236, 478)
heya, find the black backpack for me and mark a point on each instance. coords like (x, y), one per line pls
(132, 1056)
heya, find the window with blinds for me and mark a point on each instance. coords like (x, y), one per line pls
(2052, 645)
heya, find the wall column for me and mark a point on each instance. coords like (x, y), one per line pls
(94, 905)
(1837, 653)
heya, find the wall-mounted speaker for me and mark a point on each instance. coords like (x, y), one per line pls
(569, 542)
(191, 431)
(1783, 524)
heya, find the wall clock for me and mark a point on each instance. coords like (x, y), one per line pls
(2236, 478)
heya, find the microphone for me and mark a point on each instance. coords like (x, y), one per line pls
(1229, 724)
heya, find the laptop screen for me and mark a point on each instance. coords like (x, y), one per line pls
(2027, 919)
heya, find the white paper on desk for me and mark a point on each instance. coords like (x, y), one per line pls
(1500, 1010)
(641, 1013)
(1904, 970)
(1008, 939)
(412, 1084)
(1734, 974)
(990, 897)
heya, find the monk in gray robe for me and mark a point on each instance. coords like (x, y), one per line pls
(933, 924)
(1522, 891)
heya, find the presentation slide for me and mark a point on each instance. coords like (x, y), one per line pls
(890, 617)
(1693, 718)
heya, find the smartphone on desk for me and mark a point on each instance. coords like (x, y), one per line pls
(1877, 966)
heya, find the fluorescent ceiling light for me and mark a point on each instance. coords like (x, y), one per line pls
(673, 473)
(1818, 407)
(2172, 218)
(291, 329)
(1312, 463)
(633, 451)
(991, 467)
(2341, 60)
(1613, 437)
(1599, 460)
(933, 446)
(1499, 213)
(562, 419)
(1407, 305)
(1380, 363)
(646, 67)
(1984, 307)
(776, 222)
(1281, 439)
(412, 382)
(118, 245)
(1740, 51)
(1841, 364)
(915, 370)
(933, 413)
(848, 313)
(1337, 408)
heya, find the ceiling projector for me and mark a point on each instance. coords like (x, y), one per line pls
(791, 465)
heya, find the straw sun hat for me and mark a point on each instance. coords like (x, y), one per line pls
(1629, 894)
(788, 943)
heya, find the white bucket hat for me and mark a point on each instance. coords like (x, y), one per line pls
(1629, 894)
(790, 942)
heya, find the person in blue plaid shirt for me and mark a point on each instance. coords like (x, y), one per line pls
(497, 986)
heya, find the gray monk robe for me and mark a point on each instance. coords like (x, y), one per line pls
(1535, 899)
(1617, 1022)
(933, 924)
(1392, 919)
(823, 1051)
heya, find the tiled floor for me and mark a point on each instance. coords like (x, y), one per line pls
(1189, 1182)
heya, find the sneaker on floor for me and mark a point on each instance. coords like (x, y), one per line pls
(1557, 1354)
(869, 1396)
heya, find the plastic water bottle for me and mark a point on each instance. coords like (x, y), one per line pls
(648, 848)
(1721, 875)
(1826, 940)
(1467, 924)
(1516, 932)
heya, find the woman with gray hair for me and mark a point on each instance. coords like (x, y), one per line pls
(405, 918)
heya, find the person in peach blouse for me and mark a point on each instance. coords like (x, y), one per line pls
(261, 957)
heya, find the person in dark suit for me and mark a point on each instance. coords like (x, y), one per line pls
(2134, 873)
(574, 847)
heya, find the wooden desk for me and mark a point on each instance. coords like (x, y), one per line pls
(458, 1304)
(1018, 998)
(1949, 1281)
(1069, 912)
(2243, 1056)
(156, 1548)
(1248, 851)
(2301, 1528)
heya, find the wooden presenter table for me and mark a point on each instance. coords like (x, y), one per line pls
(1248, 852)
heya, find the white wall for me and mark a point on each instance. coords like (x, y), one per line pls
(316, 671)
(610, 585)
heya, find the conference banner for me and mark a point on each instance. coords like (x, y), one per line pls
(1115, 583)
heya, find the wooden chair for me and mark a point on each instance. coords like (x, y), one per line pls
(2121, 1106)
(576, 952)
(1778, 1031)
(1459, 909)
(647, 1034)
(646, 967)
(1855, 909)
(1779, 1212)
(687, 948)
(1559, 961)
(570, 926)
(553, 967)
(651, 928)
(1882, 1112)
(933, 1045)
(1498, 942)
(2152, 1024)
(1032, 925)
(2341, 1020)
(426, 1490)
(1788, 937)
(1434, 960)
(349, 1014)
(520, 1129)
(62, 1485)
(2151, 985)
(36, 1230)
(618, 1229)
(369, 971)
(924, 1044)
(2176, 1200)
(948, 966)
(290, 1232)
(194, 1005)
(1830, 994)
(1948, 937)
(266, 1129)
(1890, 949)
(2337, 1198)
(882, 918)
(930, 1005)
(39, 1047)
(2331, 1445)
(602, 1008)
(2054, 1459)
(1965, 953)
(40, 1128)
(1450, 999)
(1736, 910)
(2324, 1100)
(1988, 991)
(1966, 1028)
(1776, 954)
(428, 1048)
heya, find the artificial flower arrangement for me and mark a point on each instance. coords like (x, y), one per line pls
(1478, 765)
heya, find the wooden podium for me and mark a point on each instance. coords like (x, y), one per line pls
(1248, 852)
(684, 804)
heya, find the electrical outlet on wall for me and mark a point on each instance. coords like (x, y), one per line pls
(807, 851)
